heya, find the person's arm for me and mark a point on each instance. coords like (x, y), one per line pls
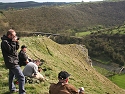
(17, 45)
(35, 69)
(23, 56)
(6, 46)
(71, 89)
(51, 88)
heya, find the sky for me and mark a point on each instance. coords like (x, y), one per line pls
(8, 1)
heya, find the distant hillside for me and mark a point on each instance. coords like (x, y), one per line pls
(72, 58)
(107, 45)
(69, 18)
(28, 4)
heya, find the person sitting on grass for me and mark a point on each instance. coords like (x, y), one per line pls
(23, 57)
(63, 87)
(31, 70)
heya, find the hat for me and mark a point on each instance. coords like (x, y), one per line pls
(23, 46)
(63, 75)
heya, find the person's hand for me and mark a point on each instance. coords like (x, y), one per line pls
(34, 75)
(81, 89)
(39, 69)
(15, 38)
(30, 59)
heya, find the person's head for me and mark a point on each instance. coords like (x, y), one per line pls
(63, 76)
(24, 48)
(37, 62)
(11, 34)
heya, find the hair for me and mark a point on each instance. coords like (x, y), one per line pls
(10, 31)
(36, 60)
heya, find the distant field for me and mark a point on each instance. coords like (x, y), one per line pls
(80, 34)
(119, 80)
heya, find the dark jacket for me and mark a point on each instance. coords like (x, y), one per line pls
(61, 88)
(22, 58)
(9, 50)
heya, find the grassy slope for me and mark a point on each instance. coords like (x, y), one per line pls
(62, 57)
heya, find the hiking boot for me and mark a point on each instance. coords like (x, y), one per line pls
(14, 91)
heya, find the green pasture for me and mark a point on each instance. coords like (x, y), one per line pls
(80, 34)
(118, 80)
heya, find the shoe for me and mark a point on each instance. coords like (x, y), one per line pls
(13, 91)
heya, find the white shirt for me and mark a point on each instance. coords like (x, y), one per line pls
(30, 69)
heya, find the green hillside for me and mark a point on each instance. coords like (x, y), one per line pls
(71, 58)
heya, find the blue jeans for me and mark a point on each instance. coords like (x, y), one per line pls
(16, 72)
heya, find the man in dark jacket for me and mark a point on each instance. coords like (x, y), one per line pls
(62, 87)
(9, 47)
(23, 58)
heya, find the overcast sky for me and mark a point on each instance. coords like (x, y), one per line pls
(6, 1)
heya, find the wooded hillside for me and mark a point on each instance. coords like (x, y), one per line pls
(66, 18)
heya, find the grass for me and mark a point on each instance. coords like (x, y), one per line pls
(101, 70)
(80, 34)
(119, 80)
(102, 59)
(30, 88)
(70, 58)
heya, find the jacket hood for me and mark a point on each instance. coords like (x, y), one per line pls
(5, 38)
